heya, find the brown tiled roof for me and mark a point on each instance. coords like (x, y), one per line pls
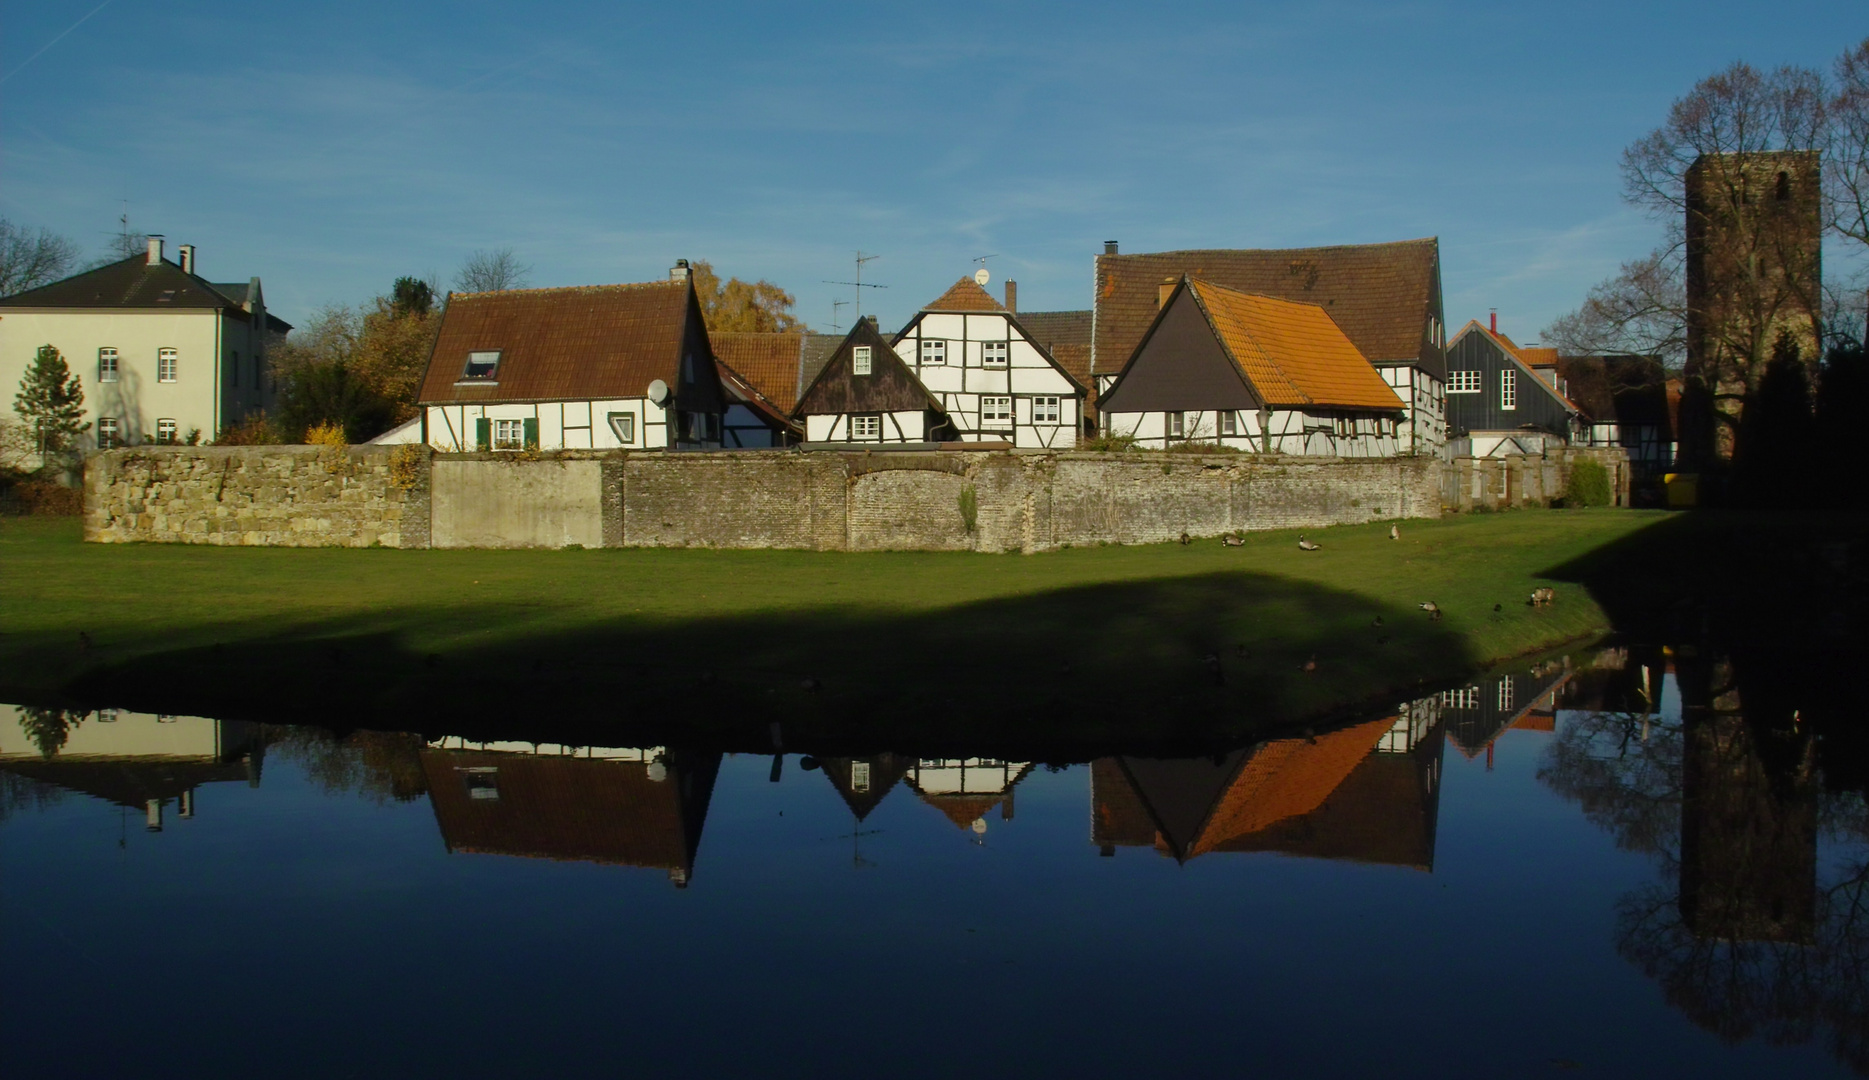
(1054, 328)
(1293, 354)
(963, 810)
(1285, 779)
(965, 295)
(594, 341)
(768, 361)
(740, 388)
(1382, 295)
(566, 808)
(1384, 812)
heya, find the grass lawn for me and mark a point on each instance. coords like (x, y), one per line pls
(1180, 642)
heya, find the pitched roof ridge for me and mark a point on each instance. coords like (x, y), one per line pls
(1206, 283)
(618, 286)
(970, 289)
(1278, 251)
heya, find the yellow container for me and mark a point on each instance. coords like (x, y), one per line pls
(1683, 490)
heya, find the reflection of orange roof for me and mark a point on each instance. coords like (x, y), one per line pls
(1293, 353)
(1285, 779)
(1536, 721)
(963, 810)
(966, 295)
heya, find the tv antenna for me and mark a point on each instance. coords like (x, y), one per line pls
(982, 276)
(860, 284)
(836, 307)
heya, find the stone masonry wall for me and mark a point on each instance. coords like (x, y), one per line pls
(276, 496)
(1500, 483)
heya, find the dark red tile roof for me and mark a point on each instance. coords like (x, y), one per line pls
(965, 295)
(1382, 295)
(585, 342)
(768, 361)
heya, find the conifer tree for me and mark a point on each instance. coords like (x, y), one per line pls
(51, 402)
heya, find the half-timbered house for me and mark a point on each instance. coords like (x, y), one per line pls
(598, 367)
(993, 380)
(1497, 406)
(865, 393)
(1251, 373)
(1386, 298)
(966, 790)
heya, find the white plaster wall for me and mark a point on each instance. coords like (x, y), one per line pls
(110, 733)
(563, 425)
(964, 379)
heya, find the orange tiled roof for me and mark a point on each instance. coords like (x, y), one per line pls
(593, 341)
(1382, 295)
(965, 295)
(963, 810)
(1287, 778)
(768, 361)
(1293, 353)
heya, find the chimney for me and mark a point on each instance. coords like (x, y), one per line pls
(1109, 247)
(155, 249)
(187, 253)
(1493, 320)
(679, 272)
(1164, 291)
(874, 325)
(1012, 296)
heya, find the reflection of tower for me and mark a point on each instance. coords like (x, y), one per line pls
(626, 807)
(1754, 275)
(1748, 816)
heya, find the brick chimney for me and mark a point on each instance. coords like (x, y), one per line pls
(680, 271)
(155, 249)
(1109, 247)
(187, 254)
(1012, 296)
(1492, 320)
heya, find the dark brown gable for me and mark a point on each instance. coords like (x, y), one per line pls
(1180, 366)
(889, 387)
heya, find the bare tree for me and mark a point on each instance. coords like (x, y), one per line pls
(29, 258)
(1643, 309)
(1846, 169)
(491, 271)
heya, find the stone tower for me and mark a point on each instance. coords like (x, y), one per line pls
(1754, 285)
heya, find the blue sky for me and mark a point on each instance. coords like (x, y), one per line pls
(332, 147)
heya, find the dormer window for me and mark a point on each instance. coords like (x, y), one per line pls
(860, 360)
(482, 367)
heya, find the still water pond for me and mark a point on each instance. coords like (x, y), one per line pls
(1555, 870)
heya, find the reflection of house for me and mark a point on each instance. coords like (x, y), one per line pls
(1477, 713)
(1251, 372)
(141, 761)
(624, 807)
(966, 790)
(1368, 793)
(863, 782)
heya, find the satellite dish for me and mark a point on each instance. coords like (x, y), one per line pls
(658, 391)
(981, 277)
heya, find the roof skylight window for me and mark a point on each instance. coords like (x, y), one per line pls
(481, 367)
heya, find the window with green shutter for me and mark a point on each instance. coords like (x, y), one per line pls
(532, 433)
(483, 434)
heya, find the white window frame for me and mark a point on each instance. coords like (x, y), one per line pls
(859, 776)
(1508, 390)
(108, 433)
(860, 360)
(1229, 422)
(509, 434)
(995, 353)
(1465, 382)
(169, 361)
(623, 426)
(934, 351)
(1506, 703)
(1176, 425)
(479, 358)
(995, 408)
(866, 427)
(166, 430)
(1047, 409)
(107, 365)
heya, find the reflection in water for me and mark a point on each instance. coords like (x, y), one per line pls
(627, 807)
(1702, 764)
(1747, 933)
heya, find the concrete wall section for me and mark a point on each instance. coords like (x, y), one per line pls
(498, 501)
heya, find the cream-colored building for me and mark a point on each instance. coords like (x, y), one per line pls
(160, 351)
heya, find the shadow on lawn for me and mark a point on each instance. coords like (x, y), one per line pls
(1199, 661)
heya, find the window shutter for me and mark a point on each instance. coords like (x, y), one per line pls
(532, 432)
(483, 434)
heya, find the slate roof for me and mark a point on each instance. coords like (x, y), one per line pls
(584, 342)
(1293, 354)
(814, 353)
(134, 284)
(965, 295)
(1382, 295)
